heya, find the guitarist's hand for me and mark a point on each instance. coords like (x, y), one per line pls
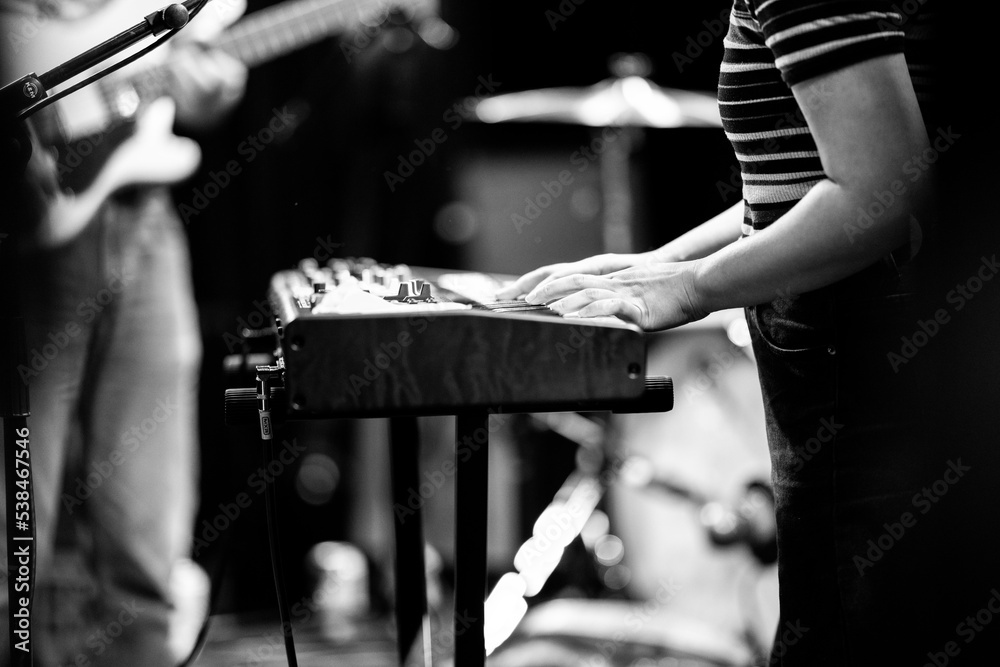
(206, 84)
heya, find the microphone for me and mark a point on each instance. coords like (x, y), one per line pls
(21, 94)
(171, 17)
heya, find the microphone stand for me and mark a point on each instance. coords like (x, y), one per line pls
(25, 95)
(19, 100)
(14, 411)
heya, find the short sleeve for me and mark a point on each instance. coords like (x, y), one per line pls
(813, 37)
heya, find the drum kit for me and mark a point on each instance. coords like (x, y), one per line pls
(688, 509)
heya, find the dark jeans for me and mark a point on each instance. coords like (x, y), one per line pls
(857, 541)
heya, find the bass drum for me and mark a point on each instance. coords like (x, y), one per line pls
(680, 468)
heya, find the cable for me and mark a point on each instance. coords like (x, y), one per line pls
(272, 532)
(265, 375)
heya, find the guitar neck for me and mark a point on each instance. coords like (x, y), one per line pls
(283, 28)
(258, 38)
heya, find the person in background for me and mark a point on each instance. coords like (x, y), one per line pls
(114, 352)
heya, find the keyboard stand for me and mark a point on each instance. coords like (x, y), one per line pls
(472, 429)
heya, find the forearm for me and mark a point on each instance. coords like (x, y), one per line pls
(867, 129)
(708, 237)
(818, 242)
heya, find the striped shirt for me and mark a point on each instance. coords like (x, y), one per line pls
(774, 44)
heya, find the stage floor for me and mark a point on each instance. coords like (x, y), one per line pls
(255, 641)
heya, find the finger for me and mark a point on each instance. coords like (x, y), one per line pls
(207, 68)
(233, 75)
(228, 68)
(190, 72)
(525, 283)
(212, 78)
(214, 70)
(557, 287)
(511, 291)
(616, 306)
(577, 301)
(556, 275)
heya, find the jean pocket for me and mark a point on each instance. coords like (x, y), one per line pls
(793, 327)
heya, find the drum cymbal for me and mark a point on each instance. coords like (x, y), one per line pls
(629, 101)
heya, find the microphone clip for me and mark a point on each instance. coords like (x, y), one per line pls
(171, 17)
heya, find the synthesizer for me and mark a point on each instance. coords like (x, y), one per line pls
(356, 338)
(360, 338)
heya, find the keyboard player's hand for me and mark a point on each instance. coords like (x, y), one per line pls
(598, 265)
(654, 296)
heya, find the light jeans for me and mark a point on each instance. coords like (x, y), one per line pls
(114, 352)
